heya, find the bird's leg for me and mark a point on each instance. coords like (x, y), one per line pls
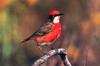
(40, 48)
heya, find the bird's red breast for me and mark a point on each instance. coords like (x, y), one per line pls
(51, 36)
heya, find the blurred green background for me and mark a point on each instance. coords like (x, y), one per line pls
(81, 30)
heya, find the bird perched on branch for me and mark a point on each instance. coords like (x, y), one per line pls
(49, 32)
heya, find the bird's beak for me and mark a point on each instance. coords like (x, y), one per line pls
(61, 14)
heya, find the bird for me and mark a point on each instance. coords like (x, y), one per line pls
(49, 32)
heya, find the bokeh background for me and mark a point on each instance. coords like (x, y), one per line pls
(80, 37)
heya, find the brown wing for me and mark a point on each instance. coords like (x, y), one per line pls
(45, 29)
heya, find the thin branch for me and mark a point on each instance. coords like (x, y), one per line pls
(65, 59)
(51, 53)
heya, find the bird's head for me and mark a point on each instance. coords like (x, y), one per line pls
(54, 16)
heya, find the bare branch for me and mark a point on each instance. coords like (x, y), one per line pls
(60, 51)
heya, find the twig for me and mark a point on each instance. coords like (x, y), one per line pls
(65, 59)
(60, 51)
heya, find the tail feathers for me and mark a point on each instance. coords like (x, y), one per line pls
(27, 39)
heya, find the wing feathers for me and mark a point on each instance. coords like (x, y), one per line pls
(45, 29)
(27, 38)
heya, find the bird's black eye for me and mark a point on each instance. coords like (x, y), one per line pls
(50, 17)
